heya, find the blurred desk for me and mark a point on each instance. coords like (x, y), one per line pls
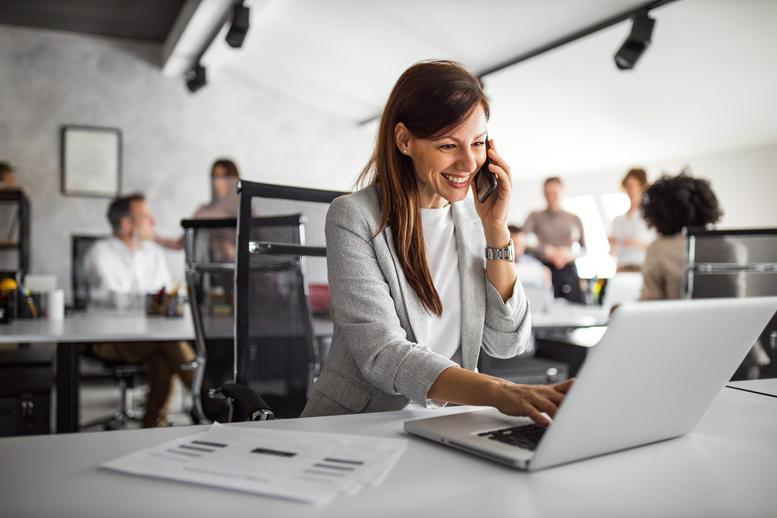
(765, 387)
(724, 468)
(108, 326)
(564, 315)
(90, 327)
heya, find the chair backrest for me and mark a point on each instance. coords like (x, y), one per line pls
(735, 263)
(730, 263)
(79, 246)
(209, 251)
(275, 347)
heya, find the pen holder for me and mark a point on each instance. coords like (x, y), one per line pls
(165, 304)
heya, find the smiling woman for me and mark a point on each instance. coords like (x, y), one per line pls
(421, 275)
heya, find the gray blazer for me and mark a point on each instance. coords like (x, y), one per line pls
(378, 360)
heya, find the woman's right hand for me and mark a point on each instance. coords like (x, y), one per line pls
(531, 400)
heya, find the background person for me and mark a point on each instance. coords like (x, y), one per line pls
(224, 203)
(531, 272)
(124, 268)
(630, 234)
(670, 204)
(559, 240)
(413, 297)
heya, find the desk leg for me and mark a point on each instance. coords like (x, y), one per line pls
(67, 387)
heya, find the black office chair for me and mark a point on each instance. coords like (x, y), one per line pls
(276, 351)
(209, 246)
(127, 375)
(736, 263)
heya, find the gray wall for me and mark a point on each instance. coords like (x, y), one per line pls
(170, 137)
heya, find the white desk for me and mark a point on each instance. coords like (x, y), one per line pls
(90, 327)
(725, 468)
(562, 314)
(108, 326)
(767, 387)
(99, 326)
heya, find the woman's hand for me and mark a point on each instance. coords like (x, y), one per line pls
(495, 210)
(464, 387)
(531, 400)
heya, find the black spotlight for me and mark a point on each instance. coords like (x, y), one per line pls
(638, 40)
(195, 78)
(239, 27)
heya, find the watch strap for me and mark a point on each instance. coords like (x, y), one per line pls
(507, 253)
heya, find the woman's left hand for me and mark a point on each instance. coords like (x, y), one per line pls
(495, 210)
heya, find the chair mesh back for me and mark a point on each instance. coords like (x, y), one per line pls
(746, 258)
(210, 256)
(275, 348)
(737, 263)
(80, 246)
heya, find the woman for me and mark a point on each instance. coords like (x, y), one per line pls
(671, 204)
(224, 203)
(412, 294)
(224, 200)
(630, 234)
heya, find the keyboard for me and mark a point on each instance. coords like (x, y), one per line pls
(524, 436)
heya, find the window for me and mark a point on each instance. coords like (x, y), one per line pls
(597, 262)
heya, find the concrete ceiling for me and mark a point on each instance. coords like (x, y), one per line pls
(705, 84)
(345, 55)
(147, 20)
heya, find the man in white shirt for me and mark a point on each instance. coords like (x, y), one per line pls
(121, 270)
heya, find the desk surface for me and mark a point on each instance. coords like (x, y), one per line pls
(725, 468)
(767, 387)
(563, 314)
(99, 326)
(114, 326)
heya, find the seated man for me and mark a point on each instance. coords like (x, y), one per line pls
(124, 268)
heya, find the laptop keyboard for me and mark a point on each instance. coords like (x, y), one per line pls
(524, 436)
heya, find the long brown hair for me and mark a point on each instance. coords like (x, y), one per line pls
(431, 98)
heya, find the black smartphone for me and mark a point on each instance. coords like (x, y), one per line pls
(485, 180)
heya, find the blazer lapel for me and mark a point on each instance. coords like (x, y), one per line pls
(413, 305)
(472, 278)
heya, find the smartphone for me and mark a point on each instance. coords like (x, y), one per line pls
(485, 180)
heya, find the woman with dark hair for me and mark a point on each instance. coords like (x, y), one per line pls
(630, 234)
(421, 275)
(224, 176)
(669, 205)
(224, 202)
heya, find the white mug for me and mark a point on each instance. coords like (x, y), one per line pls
(55, 305)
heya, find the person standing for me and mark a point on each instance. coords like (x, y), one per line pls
(630, 234)
(558, 241)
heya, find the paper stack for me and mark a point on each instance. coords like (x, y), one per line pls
(305, 466)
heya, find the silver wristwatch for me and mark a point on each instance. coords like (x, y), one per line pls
(507, 253)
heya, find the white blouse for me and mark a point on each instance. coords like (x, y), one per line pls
(631, 226)
(443, 332)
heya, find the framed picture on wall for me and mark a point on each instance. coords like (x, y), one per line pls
(91, 161)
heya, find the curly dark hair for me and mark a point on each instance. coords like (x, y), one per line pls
(674, 202)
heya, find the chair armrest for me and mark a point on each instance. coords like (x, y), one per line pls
(247, 405)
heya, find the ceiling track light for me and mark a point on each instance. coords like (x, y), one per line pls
(196, 78)
(239, 26)
(636, 43)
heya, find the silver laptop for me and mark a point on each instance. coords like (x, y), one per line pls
(653, 376)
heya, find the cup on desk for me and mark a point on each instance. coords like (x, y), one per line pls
(55, 304)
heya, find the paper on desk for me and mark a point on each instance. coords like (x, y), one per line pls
(306, 466)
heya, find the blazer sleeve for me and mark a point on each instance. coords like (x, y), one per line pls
(507, 328)
(364, 312)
